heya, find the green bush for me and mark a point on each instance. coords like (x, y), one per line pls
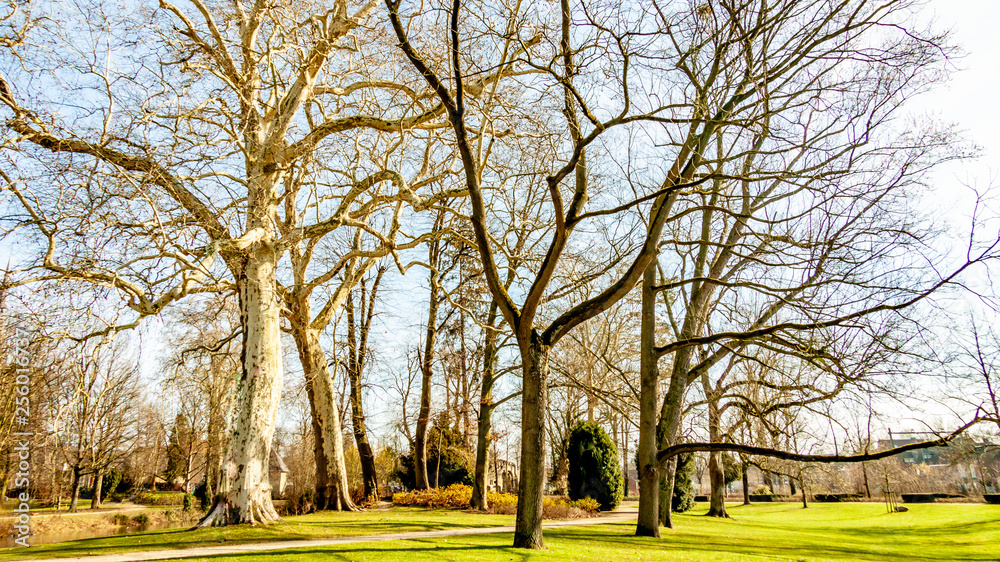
(683, 496)
(448, 460)
(120, 519)
(141, 519)
(145, 498)
(732, 470)
(111, 482)
(159, 498)
(594, 470)
(188, 502)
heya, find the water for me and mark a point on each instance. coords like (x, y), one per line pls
(109, 531)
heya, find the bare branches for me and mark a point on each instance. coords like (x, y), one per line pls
(986, 255)
(469, 163)
(151, 170)
(664, 455)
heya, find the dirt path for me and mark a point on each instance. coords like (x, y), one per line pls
(627, 513)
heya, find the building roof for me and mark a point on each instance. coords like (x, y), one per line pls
(276, 464)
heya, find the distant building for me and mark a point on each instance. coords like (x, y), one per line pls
(501, 476)
(632, 477)
(929, 456)
(964, 466)
(277, 474)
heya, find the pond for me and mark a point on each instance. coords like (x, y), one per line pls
(110, 530)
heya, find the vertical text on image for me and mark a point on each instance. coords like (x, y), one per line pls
(22, 477)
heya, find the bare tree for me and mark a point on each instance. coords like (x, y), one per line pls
(798, 236)
(99, 389)
(535, 342)
(202, 371)
(973, 367)
(359, 324)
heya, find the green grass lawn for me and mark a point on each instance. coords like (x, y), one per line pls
(781, 531)
(312, 526)
(784, 531)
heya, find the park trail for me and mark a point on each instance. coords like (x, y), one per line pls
(622, 514)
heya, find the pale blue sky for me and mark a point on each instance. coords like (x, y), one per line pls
(969, 99)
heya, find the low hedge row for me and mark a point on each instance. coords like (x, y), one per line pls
(459, 496)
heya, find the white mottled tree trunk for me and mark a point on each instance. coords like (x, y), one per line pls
(245, 490)
(327, 414)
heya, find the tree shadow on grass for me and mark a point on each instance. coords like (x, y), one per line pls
(785, 547)
(477, 552)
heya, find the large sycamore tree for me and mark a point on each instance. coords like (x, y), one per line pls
(157, 151)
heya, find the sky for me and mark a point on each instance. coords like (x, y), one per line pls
(969, 99)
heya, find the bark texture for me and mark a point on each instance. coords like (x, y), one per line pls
(484, 425)
(716, 470)
(530, 489)
(648, 524)
(95, 502)
(245, 494)
(332, 491)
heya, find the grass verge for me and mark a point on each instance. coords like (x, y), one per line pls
(784, 531)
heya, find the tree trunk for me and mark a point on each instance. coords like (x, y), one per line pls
(245, 494)
(75, 497)
(322, 489)
(365, 452)
(669, 428)
(214, 448)
(625, 458)
(426, 370)
(746, 483)
(355, 368)
(332, 490)
(4, 484)
(648, 524)
(668, 476)
(716, 470)
(188, 465)
(531, 486)
(95, 502)
(440, 453)
(156, 463)
(864, 472)
(805, 501)
(769, 480)
(560, 476)
(479, 496)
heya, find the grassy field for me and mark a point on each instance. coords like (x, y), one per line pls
(850, 531)
(312, 526)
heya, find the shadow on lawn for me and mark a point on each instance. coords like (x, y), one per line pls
(478, 552)
(708, 544)
(191, 537)
(146, 541)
